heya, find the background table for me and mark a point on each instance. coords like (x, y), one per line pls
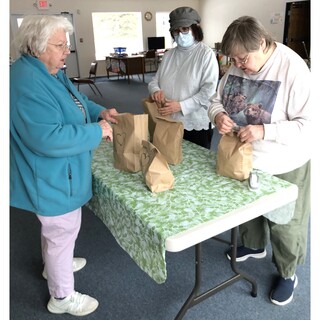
(126, 65)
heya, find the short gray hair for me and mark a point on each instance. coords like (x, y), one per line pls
(244, 35)
(35, 31)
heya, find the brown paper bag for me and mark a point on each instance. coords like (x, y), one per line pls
(151, 109)
(128, 134)
(167, 137)
(156, 172)
(234, 158)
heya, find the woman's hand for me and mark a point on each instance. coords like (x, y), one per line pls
(158, 97)
(165, 106)
(108, 115)
(251, 133)
(106, 130)
(169, 107)
(223, 123)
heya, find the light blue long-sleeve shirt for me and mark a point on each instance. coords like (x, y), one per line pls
(190, 76)
(50, 141)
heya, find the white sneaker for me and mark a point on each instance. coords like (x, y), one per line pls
(77, 264)
(76, 304)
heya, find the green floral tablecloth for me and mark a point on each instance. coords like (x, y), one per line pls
(141, 220)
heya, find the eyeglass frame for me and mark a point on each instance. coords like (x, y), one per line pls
(182, 30)
(62, 47)
(243, 62)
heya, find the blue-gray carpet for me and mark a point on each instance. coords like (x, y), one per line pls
(127, 293)
(119, 94)
(123, 290)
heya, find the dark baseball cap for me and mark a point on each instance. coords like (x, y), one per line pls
(183, 17)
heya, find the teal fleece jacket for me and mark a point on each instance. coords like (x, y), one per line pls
(50, 142)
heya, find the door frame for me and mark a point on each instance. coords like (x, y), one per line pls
(304, 51)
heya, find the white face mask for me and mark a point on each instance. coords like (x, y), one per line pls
(184, 39)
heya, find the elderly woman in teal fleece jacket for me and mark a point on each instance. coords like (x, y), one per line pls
(53, 131)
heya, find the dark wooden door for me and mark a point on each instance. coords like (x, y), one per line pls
(297, 27)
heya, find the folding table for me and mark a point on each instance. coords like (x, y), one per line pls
(201, 206)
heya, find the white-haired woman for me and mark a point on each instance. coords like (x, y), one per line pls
(53, 130)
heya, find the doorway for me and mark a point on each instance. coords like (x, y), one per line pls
(297, 28)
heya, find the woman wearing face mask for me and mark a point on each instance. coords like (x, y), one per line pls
(187, 77)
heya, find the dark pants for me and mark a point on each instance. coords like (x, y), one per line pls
(201, 137)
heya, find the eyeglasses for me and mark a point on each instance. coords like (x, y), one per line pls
(242, 62)
(62, 47)
(182, 30)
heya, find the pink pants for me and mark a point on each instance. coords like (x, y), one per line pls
(58, 237)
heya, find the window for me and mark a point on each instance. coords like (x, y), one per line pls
(116, 29)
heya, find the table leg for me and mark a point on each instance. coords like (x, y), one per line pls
(195, 298)
(190, 302)
(243, 275)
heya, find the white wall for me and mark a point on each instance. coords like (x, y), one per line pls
(216, 16)
(82, 10)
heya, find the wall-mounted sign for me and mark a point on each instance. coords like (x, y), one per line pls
(42, 4)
